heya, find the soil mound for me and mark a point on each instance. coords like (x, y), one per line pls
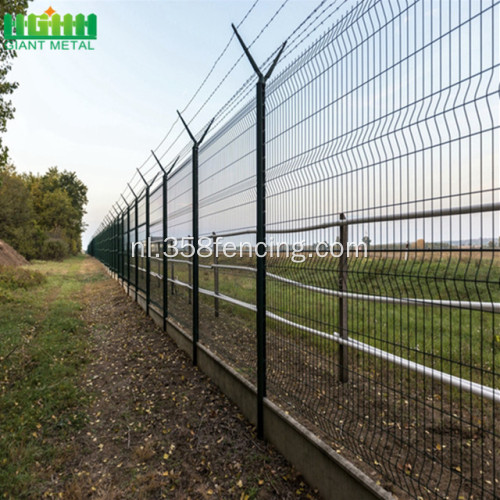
(9, 257)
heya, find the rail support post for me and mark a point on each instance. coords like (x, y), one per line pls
(164, 271)
(260, 244)
(172, 277)
(216, 274)
(344, 332)
(196, 236)
(190, 279)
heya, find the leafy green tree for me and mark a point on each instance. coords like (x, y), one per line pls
(17, 222)
(41, 216)
(6, 87)
(59, 200)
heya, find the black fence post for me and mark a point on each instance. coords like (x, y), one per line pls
(195, 266)
(118, 244)
(113, 241)
(122, 246)
(148, 253)
(148, 241)
(261, 228)
(105, 244)
(128, 245)
(102, 244)
(343, 351)
(112, 244)
(109, 243)
(106, 251)
(165, 236)
(136, 231)
(128, 250)
(115, 244)
(165, 248)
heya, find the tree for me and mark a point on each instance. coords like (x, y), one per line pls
(59, 200)
(15, 205)
(6, 87)
(41, 216)
(17, 221)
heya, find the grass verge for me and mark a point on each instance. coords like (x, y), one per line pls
(43, 348)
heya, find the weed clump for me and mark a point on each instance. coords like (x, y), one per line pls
(12, 278)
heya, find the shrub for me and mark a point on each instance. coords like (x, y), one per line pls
(54, 249)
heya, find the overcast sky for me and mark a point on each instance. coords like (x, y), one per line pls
(98, 113)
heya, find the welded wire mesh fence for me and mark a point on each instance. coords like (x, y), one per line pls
(381, 137)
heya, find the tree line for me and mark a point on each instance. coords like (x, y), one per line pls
(41, 216)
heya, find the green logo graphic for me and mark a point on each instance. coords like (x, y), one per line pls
(50, 26)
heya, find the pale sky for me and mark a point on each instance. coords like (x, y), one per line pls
(99, 113)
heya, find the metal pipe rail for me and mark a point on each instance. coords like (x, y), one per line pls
(463, 384)
(493, 307)
(421, 214)
(458, 382)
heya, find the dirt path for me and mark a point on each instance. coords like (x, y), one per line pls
(157, 427)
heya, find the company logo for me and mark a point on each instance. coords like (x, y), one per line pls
(30, 32)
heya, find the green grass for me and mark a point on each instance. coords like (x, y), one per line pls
(12, 278)
(43, 347)
(460, 342)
